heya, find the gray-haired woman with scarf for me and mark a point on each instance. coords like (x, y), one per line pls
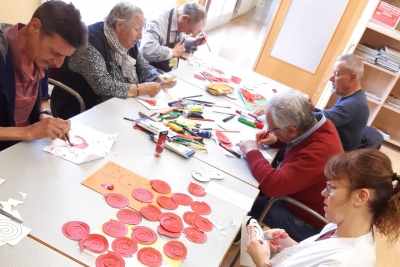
(111, 65)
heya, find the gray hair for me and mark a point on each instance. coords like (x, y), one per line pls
(123, 12)
(195, 12)
(353, 64)
(290, 108)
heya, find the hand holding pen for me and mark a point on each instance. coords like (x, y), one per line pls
(264, 138)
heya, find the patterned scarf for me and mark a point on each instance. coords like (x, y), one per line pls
(126, 62)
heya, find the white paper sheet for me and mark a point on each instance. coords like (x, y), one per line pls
(229, 195)
(12, 232)
(23, 195)
(2, 181)
(88, 144)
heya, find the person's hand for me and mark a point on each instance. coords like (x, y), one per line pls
(178, 50)
(151, 88)
(48, 127)
(247, 145)
(257, 249)
(169, 84)
(265, 139)
(200, 39)
(278, 234)
(259, 111)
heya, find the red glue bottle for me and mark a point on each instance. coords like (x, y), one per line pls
(160, 143)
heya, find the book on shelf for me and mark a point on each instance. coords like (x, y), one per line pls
(374, 96)
(393, 101)
(386, 14)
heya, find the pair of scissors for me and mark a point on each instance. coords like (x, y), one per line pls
(149, 101)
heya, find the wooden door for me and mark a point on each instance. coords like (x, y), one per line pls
(307, 80)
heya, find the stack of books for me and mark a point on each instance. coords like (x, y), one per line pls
(366, 53)
(374, 96)
(393, 101)
(389, 59)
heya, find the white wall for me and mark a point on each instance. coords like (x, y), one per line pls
(13, 11)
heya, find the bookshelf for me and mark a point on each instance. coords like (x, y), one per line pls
(381, 82)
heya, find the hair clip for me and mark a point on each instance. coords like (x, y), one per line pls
(395, 178)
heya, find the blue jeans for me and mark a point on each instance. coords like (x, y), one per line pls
(280, 216)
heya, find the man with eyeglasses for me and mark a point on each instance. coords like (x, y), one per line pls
(350, 112)
(308, 142)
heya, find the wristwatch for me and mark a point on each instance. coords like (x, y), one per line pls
(47, 112)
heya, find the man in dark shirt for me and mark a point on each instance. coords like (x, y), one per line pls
(350, 113)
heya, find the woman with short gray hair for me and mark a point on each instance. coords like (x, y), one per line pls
(111, 66)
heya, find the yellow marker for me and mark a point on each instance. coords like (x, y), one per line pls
(175, 127)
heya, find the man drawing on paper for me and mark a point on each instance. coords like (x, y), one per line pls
(54, 32)
(308, 142)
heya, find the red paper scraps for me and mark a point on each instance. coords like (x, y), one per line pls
(189, 216)
(236, 79)
(150, 257)
(75, 230)
(160, 186)
(142, 195)
(202, 224)
(197, 190)
(182, 199)
(218, 71)
(95, 243)
(167, 203)
(116, 200)
(129, 216)
(115, 228)
(124, 247)
(108, 186)
(223, 138)
(200, 207)
(199, 77)
(247, 95)
(110, 259)
(259, 97)
(175, 250)
(194, 235)
(161, 230)
(171, 222)
(143, 235)
(150, 212)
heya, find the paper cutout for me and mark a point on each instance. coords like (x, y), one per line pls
(194, 235)
(12, 232)
(124, 182)
(224, 234)
(75, 230)
(161, 100)
(22, 194)
(124, 246)
(160, 186)
(142, 195)
(151, 212)
(87, 144)
(110, 259)
(201, 207)
(161, 230)
(150, 257)
(224, 139)
(14, 202)
(175, 250)
(167, 203)
(182, 199)
(171, 222)
(2, 181)
(197, 190)
(95, 243)
(202, 224)
(143, 235)
(189, 217)
(129, 216)
(251, 101)
(117, 200)
(115, 228)
(229, 196)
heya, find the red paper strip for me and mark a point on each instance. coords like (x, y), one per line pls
(150, 257)
(151, 212)
(124, 247)
(143, 235)
(160, 186)
(175, 250)
(95, 243)
(201, 207)
(110, 259)
(142, 195)
(167, 203)
(182, 199)
(129, 216)
(195, 235)
(116, 200)
(161, 230)
(199, 77)
(115, 228)
(75, 230)
(197, 190)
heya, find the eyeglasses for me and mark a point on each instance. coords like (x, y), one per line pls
(329, 187)
(270, 131)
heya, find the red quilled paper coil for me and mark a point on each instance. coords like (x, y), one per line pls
(150, 257)
(150, 212)
(197, 190)
(175, 250)
(129, 216)
(172, 223)
(117, 200)
(160, 186)
(95, 243)
(194, 235)
(115, 228)
(75, 230)
(110, 259)
(162, 231)
(143, 235)
(182, 199)
(142, 195)
(189, 217)
(202, 224)
(124, 246)
(200, 208)
(167, 203)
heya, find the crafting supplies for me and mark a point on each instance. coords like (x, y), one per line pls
(229, 118)
(198, 119)
(175, 127)
(160, 143)
(200, 101)
(180, 149)
(230, 150)
(174, 102)
(188, 113)
(167, 111)
(190, 137)
(195, 108)
(148, 101)
(205, 134)
(154, 127)
(172, 115)
(248, 123)
(146, 116)
(191, 96)
(226, 113)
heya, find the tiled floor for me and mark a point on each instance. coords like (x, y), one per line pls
(240, 41)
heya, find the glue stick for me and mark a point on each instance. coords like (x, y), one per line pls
(160, 143)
